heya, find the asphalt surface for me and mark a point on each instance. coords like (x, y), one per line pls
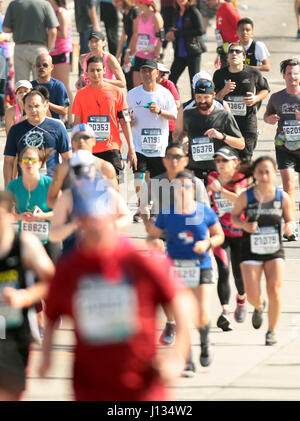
(243, 367)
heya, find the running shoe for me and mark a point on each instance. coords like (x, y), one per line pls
(241, 310)
(293, 237)
(271, 338)
(137, 218)
(168, 334)
(206, 355)
(223, 321)
(257, 316)
(189, 370)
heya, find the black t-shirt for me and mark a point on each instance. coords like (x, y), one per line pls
(248, 80)
(128, 22)
(201, 148)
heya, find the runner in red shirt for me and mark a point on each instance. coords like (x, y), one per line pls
(112, 292)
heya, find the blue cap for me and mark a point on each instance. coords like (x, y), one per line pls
(82, 127)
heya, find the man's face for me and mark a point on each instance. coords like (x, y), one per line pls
(235, 55)
(245, 32)
(83, 140)
(175, 160)
(35, 109)
(44, 67)
(95, 72)
(204, 101)
(148, 75)
(292, 75)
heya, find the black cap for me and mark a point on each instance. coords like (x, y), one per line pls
(226, 152)
(149, 62)
(97, 34)
(204, 87)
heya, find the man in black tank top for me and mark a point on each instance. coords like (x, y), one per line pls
(18, 253)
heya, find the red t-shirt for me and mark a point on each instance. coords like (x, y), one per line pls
(99, 108)
(226, 21)
(121, 370)
(224, 207)
(168, 84)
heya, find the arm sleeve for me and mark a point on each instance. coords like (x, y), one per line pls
(270, 109)
(8, 17)
(122, 103)
(50, 17)
(11, 146)
(211, 217)
(160, 221)
(63, 98)
(261, 51)
(64, 143)
(76, 107)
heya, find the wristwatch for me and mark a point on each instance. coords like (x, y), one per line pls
(224, 136)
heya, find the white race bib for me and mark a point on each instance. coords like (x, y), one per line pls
(38, 228)
(224, 206)
(188, 270)
(291, 130)
(106, 312)
(151, 141)
(237, 105)
(265, 240)
(143, 42)
(101, 126)
(202, 148)
(219, 38)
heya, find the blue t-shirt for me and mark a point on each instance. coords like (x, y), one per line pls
(50, 133)
(25, 200)
(181, 50)
(58, 94)
(183, 231)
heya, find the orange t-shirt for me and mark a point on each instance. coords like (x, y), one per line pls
(99, 107)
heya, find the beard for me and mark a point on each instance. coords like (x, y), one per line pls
(204, 106)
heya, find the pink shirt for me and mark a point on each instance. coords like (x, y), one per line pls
(147, 40)
(63, 45)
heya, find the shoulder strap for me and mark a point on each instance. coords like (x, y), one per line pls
(250, 194)
(279, 195)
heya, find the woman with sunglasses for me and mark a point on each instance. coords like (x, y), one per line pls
(224, 186)
(264, 206)
(191, 230)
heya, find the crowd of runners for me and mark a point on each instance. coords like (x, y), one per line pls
(200, 195)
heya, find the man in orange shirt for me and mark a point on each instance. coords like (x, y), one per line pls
(103, 106)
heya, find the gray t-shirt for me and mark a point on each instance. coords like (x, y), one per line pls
(82, 7)
(29, 20)
(161, 193)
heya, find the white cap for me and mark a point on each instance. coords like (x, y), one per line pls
(200, 75)
(23, 83)
(162, 68)
(82, 158)
(82, 127)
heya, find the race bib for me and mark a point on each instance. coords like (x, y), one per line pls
(188, 270)
(38, 228)
(224, 206)
(13, 316)
(265, 240)
(237, 105)
(105, 312)
(291, 130)
(143, 42)
(202, 148)
(219, 38)
(151, 141)
(101, 126)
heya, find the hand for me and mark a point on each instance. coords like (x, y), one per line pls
(229, 87)
(149, 224)
(250, 99)
(215, 186)
(297, 114)
(200, 247)
(38, 215)
(289, 228)
(154, 108)
(250, 227)
(213, 133)
(132, 159)
(127, 59)
(218, 63)
(17, 298)
(272, 119)
(25, 216)
(170, 36)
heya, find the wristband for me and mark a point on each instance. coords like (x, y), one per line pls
(159, 111)
(224, 136)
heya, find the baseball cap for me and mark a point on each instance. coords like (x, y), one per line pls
(149, 62)
(82, 127)
(82, 157)
(23, 83)
(162, 68)
(227, 153)
(200, 75)
(204, 87)
(97, 34)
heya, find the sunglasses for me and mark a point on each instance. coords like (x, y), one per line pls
(38, 65)
(203, 84)
(173, 156)
(234, 50)
(81, 136)
(220, 160)
(32, 160)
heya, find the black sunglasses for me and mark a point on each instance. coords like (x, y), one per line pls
(42, 65)
(174, 156)
(81, 136)
(234, 50)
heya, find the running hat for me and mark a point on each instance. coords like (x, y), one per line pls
(82, 162)
(162, 68)
(227, 153)
(23, 83)
(97, 34)
(149, 62)
(82, 127)
(91, 200)
(200, 75)
(204, 87)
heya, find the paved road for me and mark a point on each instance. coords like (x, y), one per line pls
(243, 368)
